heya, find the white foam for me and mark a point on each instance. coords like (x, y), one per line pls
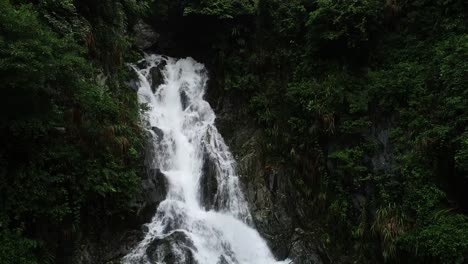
(189, 136)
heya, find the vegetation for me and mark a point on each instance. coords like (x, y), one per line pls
(365, 101)
(336, 85)
(69, 132)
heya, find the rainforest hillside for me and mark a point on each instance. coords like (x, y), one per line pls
(361, 106)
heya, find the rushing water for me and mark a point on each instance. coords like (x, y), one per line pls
(187, 227)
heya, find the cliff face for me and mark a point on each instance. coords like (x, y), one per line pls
(279, 211)
(286, 215)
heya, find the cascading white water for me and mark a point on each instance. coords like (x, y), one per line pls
(183, 230)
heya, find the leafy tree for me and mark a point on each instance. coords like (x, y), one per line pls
(69, 132)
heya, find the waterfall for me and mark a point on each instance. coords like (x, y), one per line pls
(205, 218)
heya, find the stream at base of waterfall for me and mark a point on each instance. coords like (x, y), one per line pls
(189, 227)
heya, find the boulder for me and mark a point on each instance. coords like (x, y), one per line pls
(161, 250)
(156, 76)
(303, 249)
(184, 100)
(158, 132)
(154, 192)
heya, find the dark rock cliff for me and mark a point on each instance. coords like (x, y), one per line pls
(276, 206)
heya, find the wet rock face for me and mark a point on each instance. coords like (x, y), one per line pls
(277, 208)
(222, 260)
(160, 250)
(158, 132)
(154, 184)
(208, 183)
(185, 100)
(303, 251)
(384, 159)
(154, 191)
(268, 201)
(156, 76)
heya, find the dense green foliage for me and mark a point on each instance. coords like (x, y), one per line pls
(220, 8)
(69, 132)
(367, 102)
